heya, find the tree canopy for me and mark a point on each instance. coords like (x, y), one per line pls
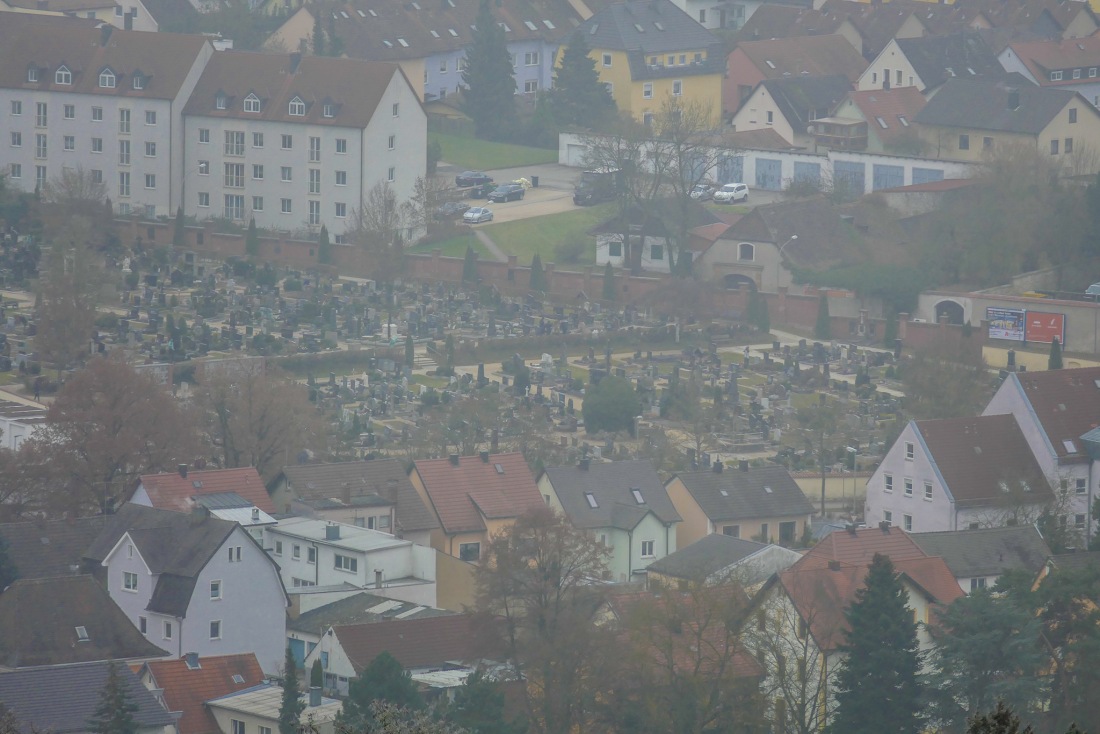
(383, 680)
(578, 96)
(489, 97)
(610, 405)
(115, 712)
(292, 705)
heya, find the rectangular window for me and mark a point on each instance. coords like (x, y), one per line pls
(258, 206)
(16, 170)
(677, 88)
(391, 174)
(234, 142)
(150, 180)
(234, 175)
(888, 517)
(286, 207)
(341, 145)
(204, 135)
(215, 589)
(647, 90)
(143, 625)
(531, 86)
(315, 180)
(238, 726)
(16, 107)
(733, 531)
(288, 142)
(41, 114)
(257, 172)
(314, 212)
(341, 178)
(129, 581)
(964, 142)
(204, 168)
(647, 549)
(123, 183)
(216, 634)
(469, 552)
(167, 630)
(1079, 521)
(314, 150)
(278, 547)
(391, 143)
(341, 211)
(977, 583)
(70, 112)
(928, 491)
(17, 140)
(150, 117)
(235, 551)
(888, 482)
(150, 150)
(771, 117)
(234, 209)
(39, 176)
(97, 145)
(1072, 115)
(395, 111)
(285, 173)
(257, 140)
(1068, 145)
(204, 199)
(1076, 73)
(124, 122)
(907, 523)
(987, 143)
(908, 487)
(1054, 147)
(346, 563)
(124, 152)
(311, 555)
(97, 114)
(657, 252)
(908, 451)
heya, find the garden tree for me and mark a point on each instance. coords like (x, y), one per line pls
(609, 290)
(578, 97)
(823, 327)
(109, 425)
(260, 420)
(820, 421)
(469, 266)
(988, 649)
(114, 714)
(376, 226)
(335, 45)
(74, 210)
(489, 96)
(1054, 361)
(611, 405)
(429, 193)
(316, 674)
(535, 593)
(538, 276)
(466, 424)
(8, 723)
(383, 680)
(8, 571)
(391, 719)
(478, 707)
(318, 42)
(945, 379)
(28, 483)
(292, 705)
(757, 312)
(178, 231)
(324, 247)
(410, 351)
(683, 667)
(877, 686)
(72, 283)
(252, 239)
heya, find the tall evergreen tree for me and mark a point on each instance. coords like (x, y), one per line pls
(478, 707)
(8, 571)
(609, 283)
(410, 351)
(317, 672)
(1054, 362)
(578, 95)
(469, 265)
(823, 327)
(489, 98)
(292, 706)
(252, 239)
(318, 34)
(877, 689)
(538, 275)
(178, 232)
(383, 680)
(115, 712)
(324, 246)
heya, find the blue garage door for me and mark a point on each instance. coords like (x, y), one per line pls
(298, 650)
(768, 175)
(927, 175)
(849, 178)
(887, 177)
(808, 173)
(731, 169)
(696, 169)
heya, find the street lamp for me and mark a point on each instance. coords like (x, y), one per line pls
(779, 263)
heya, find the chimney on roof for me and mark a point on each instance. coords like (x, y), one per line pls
(332, 531)
(314, 696)
(454, 459)
(743, 465)
(851, 528)
(884, 526)
(199, 513)
(834, 565)
(484, 457)
(1013, 99)
(128, 20)
(105, 34)
(718, 467)
(345, 493)
(295, 59)
(183, 471)
(255, 514)
(583, 464)
(378, 578)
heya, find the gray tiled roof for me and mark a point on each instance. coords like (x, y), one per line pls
(983, 104)
(61, 699)
(746, 493)
(610, 484)
(937, 59)
(616, 27)
(357, 609)
(987, 551)
(50, 548)
(1076, 561)
(802, 99)
(385, 479)
(708, 555)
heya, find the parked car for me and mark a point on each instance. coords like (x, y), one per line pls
(703, 191)
(450, 209)
(482, 191)
(472, 178)
(507, 192)
(732, 192)
(477, 215)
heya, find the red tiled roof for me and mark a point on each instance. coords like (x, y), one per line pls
(1043, 57)
(859, 547)
(891, 105)
(415, 643)
(187, 690)
(463, 495)
(933, 575)
(779, 58)
(947, 184)
(1066, 402)
(170, 491)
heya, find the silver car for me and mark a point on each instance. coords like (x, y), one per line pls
(478, 214)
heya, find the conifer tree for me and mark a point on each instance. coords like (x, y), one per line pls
(1054, 362)
(489, 98)
(324, 246)
(823, 328)
(538, 276)
(383, 680)
(252, 239)
(290, 711)
(115, 712)
(469, 265)
(178, 232)
(578, 96)
(410, 351)
(877, 689)
(608, 283)
(318, 34)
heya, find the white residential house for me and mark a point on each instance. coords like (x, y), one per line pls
(18, 422)
(104, 101)
(299, 142)
(193, 583)
(327, 554)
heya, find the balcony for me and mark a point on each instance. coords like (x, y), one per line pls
(836, 133)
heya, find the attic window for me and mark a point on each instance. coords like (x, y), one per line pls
(591, 500)
(972, 72)
(769, 63)
(768, 490)
(372, 13)
(328, 110)
(1069, 446)
(978, 450)
(197, 484)
(82, 634)
(950, 71)
(1003, 485)
(903, 121)
(724, 493)
(638, 27)
(416, 6)
(403, 42)
(32, 73)
(548, 24)
(637, 495)
(1096, 382)
(530, 26)
(344, 15)
(252, 103)
(591, 31)
(1026, 486)
(658, 26)
(238, 678)
(387, 44)
(505, 27)
(361, 14)
(219, 102)
(63, 76)
(107, 79)
(1061, 406)
(451, 3)
(297, 107)
(499, 468)
(435, 34)
(453, 32)
(881, 122)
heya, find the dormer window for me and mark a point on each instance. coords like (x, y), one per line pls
(252, 103)
(220, 102)
(107, 79)
(329, 110)
(297, 107)
(63, 75)
(139, 81)
(32, 73)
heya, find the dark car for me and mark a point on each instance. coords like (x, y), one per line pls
(472, 178)
(450, 209)
(482, 191)
(507, 192)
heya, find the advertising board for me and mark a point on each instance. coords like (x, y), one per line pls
(1006, 323)
(1044, 327)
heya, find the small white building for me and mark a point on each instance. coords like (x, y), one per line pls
(256, 711)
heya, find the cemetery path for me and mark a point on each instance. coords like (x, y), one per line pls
(491, 246)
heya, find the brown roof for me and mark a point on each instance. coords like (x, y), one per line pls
(187, 691)
(415, 643)
(62, 6)
(762, 139)
(809, 56)
(889, 105)
(1042, 57)
(464, 494)
(1066, 402)
(41, 619)
(353, 87)
(946, 184)
(45, 548)
(170, 491)
(860, 545)
(163, 59)
(352, 483)
(978, 458)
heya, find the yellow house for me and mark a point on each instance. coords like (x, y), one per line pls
(474, 498)
(969, 118)
(647, 51)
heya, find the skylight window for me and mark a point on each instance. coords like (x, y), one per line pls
(881, 122)
(530, 26)
(657, 24)
(435, 34)
(768, 490)
(724, 493)
(903, 121)
(637, 495)
(595, 27)
(82, 634)
(453, 32)
(499, 468)
(238, 678)
(591, 500)
(548, 24)
(403, 42)
(505, 27)
(769, 63)
(197, 484)
(372, 13)
(344, 15)
(361, 14)
(1069, 446)
(638, 27)
(416, 6)
(387, 44)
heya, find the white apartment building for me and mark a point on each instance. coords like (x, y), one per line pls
(102, 100)
(299, 142)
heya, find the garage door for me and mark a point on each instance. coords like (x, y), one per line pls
(887, 177)
(730, 169)
(807, 173)
(574, 155)
(848, 178)
(927, 175)
(768, 174)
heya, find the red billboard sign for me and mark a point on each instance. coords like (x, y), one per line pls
(1044, 327)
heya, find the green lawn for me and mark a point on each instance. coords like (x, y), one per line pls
(454, 247)
(482, 155)
(525, 237)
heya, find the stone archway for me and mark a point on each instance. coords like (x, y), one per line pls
(951, 310)
(733, 281)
